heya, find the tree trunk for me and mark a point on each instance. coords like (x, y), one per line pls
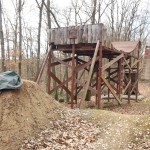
(39, 34)
(20, 36)
(2, 40)
(94, 4)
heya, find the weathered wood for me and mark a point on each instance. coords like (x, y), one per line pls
(85, 34)
(60, 85)
(135, 63)
(111, 90)
(128, 84)
(112, 62)
(65, 35)
(83, 85)
(38, 77)
(57, 63)
(90, 33)
(94, 32)
(99, 88)
(90, 73)
(52, 31)
(59, 82)
(134, 86)
(56, 36)
(62, 62)
(80, 33)
(73, 76)
(78, 68)
(127, 63)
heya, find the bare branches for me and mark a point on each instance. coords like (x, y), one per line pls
(53, 15)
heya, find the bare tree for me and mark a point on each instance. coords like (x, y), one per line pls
(20, 7)
(40, 6)
(2, 39)
(94, 6)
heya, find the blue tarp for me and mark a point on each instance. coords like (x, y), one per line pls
(10, 80)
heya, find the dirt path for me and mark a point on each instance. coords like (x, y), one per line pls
(121, 132)
(94, 130)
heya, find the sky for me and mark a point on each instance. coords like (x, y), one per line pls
(29, 8)
(30, 12)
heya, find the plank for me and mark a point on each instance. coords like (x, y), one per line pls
(80, 33)
(111, 90)
(127, 64)
(59, 82)
(127, 87)
(91, 71)
(90, 33)
(60, 85)
(62, 62)
(112, 62)
(135, 63)
(85, 35)
(38, 77)
(57, 63)
(83, 85)
(78, 68)
(65, 35)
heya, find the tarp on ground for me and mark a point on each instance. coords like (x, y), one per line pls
(10, 80)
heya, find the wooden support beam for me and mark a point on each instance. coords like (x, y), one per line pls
(120, 78)
(135, 63)
(59, 82)
(113, 72)
(89, 88)
(38, 77)
(90, 73)
(99, 88)
(112, 62)
(48, 72)
(78, 68)
(130, 82)
(137, 77)
(83, 61)
(127, 64)
(111, 90)
(134, 86)
(62, 62)
(73, 74)
(58, 63)
(60, 85)
(109, 82)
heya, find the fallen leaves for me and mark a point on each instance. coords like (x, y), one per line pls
(70, 132)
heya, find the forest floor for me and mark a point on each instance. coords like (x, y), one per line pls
(125, 127)
(30, 119)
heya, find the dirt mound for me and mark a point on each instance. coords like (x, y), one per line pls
(23, 113)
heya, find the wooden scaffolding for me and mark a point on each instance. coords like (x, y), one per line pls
(106, 71)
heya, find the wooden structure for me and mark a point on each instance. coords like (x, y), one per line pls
(113, 71)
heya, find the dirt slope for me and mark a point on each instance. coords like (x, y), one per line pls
(121, 131)
(24, 113)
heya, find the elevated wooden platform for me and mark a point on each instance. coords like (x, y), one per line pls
(89, 66)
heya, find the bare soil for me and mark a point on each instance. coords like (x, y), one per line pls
(23, 113)
(26, 112)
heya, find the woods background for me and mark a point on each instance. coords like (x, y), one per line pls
(24, 27)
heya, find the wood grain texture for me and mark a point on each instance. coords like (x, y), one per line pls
(85, 34)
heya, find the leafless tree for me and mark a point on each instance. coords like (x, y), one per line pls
(20, 8)
(40, 6)
(2, 39)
